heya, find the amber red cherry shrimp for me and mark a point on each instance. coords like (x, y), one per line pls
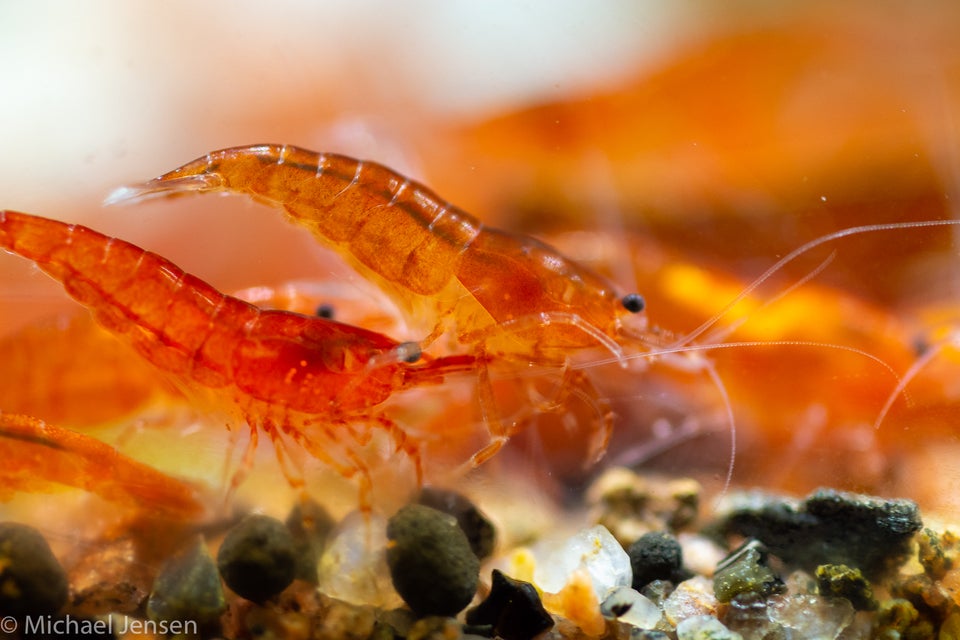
(509, 294)
(315, 381)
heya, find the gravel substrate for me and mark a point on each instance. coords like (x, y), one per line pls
(762, 567)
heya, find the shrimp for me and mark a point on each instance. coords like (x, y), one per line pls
(292, 376)
(36, 453)
(509, 297)
(70, 372)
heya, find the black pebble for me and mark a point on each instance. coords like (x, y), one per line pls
(478, 529)
(513, 609)
(32, 582)
(257, 559)
(656, 556)
(431, 563)
(832, 527)
(188, 588)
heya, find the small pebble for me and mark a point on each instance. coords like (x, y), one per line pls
(630, 505)
(950, 629)
(32, 582)
(309, 524)
(658, 591)
(353, 566)
(746, 571)
(656, 556)
(627, 605)
(693, 597)
(476, 526)
(434, 628)
(513, 609)
(748, 616)
(705, 628)
(811, 616)
(432, 565)
(594, 550)
(188, 588)
(841, 581)
(257, 559)
(898, 618)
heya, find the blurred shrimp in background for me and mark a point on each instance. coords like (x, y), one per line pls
(681, 151)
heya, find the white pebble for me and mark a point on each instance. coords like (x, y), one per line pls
(630, 606)
(705, 628)
(693, 597)
(812, 617)
(354, 562)
(594, 550)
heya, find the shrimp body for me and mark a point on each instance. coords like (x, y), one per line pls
(511, 294)
(284, 372)
(36, 454)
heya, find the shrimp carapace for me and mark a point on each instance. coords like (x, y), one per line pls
(507, 294)
(307, 377)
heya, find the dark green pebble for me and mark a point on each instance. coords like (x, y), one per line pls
(258, 558)
(745, 571)
(478, 529)
(841, 581)
(431, 563)
(656, 556)
(513, 609)
(188, 588)
(309, 524)
(32, 582)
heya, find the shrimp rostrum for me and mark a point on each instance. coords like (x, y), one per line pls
(506, 296)
(303, 379)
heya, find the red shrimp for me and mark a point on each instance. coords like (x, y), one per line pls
(305, 378)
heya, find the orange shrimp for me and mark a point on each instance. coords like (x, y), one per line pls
(36, 454)
(293, 376)
(508, 296)
(70, 372)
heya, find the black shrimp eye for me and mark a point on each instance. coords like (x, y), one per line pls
(633, 302)
(325, 310)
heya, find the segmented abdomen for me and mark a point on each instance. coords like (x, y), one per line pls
(176, 321)
(395, 227)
